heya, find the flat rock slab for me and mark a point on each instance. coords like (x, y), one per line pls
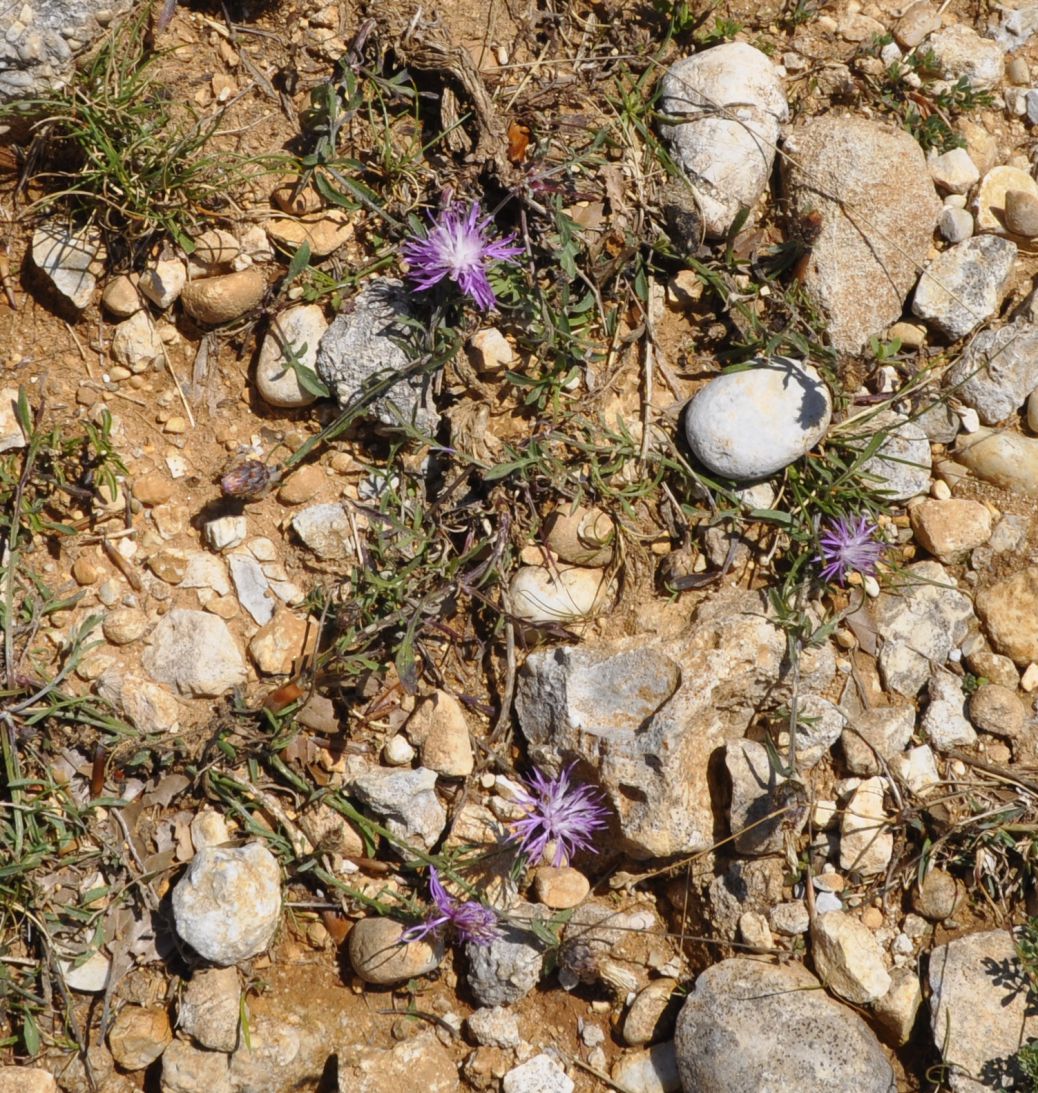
(196, 653)
(997, 371)
(67, 258)
(754, 1028)
(870, 187)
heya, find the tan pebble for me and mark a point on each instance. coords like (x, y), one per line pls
(176, 425)
(560, 888)
(845, 639)
(302, 485)
(216, 300)
(341, 462)
(120, 297)
(307, 200)
(990, 202)
(1029, 678)
(872, 917)
(226, 607)
(1022, 213)
(216, 247)
(139, 1036)
(490, 351)
(86, 571)
(124, 625)
(153, 489)
(169, 566)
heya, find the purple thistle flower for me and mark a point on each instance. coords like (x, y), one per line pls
(849, 544)
(471, 920)
(456, 246)
(558, 813)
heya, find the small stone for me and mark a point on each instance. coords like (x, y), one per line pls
(866, 841)
(215, 300)
(66, 257)
(441, 733)
(961, 51)
(225, 532)
(407, 802)
(210, 1008)
(215, 248)
(848, 958)
(26, 1079)
(302, 485)
(910, 335)
(997, 710)
(965, 284)
(276, 646)
(507, 969)
(918, 768)
(324, 233)
(1029, 679)
(939, 896)
(921, 19)
(195, 653)
(138, 1036)
(990, 202)
(164, 282)
(903, 460)
(120, 297)
(758, 819)
(896, 1011)
(124, 625)
(560, 887)
(136, 342)
(541, 1074)
(299, 329)
(1017, 72)
(944, 721)
(651, 1015)
(188, 1069)
(752, 423)
(226, 906)
(494, 1026)
(86, 571)
(954, 171)
(251, 587)
(567, 594)
(11, 435)
(397, 751)
(205, 572)
(89, 977)
(153, 489)
(419, 1062)
(878, 735)
(651, 1071)
(490, 351)
(326, 530)
(209, 828)
(1001, 457)
(872, 917)
(950, 529)
(377, 955)
(294, 199)
(1009, 610)
(1021, 213)
(789, 919)
(955, 225)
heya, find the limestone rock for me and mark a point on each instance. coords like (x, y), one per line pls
(758, 793)
(734, 102)
(226, 906)
(961, 51)
(560, 887)
(419, 1063)
(1009, 611)
(897, 1010)
(441, 733)
(163, 282)
(216, 300)
(866, 839)
(325, 529)
(276, 646)
(210, 1008)
(120, 297)
(877, 735)
(950, 529)
(138, 1036)
(652, 1013)
(789, 1035)
(752, 423)
(569, 593)
(188, 1069)
(944, 721)
(874, 238)
(990, 202)
(195, 653)
(406, 802)
(1003, 458)
(299, 329)
(848, 958)
(900, 468)
(997, 371)
(323, 233)
(997, 710)
(494, 1026)
(507, 969)
(541, 1074)
(67, 257)
(378, 956)
(939, 896)
(136, 342)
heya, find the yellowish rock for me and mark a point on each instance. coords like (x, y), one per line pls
(216, 300)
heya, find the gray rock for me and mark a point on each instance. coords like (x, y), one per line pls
(621, 706)
(195, 653)
(225, 532)
(754, 885)
(11, 435)
(876, 736)
(66, 257)
(283, 1051)
(960, 51)
(897, 1010)
(210, 1008)
(378, 956)
(188, 1069)
(39, 41)
(871, 187)
(541, 1074)
(848, 958)
(964, 285)
(752, 423)
(1017, 27)
(511, 965)
(405, 800)
(363, 346)
(997, 371)
(734, 102)
(652, 1071)
(980, 1010)
(419, 1063)
(901, 465)
(494, 1026)
(939, 896)
(790, 919)
(944, 721)
(650, 1017)
(602, 944)
(251, 587)
(758, 793)
(301, 329)
(955, 225)
(953, 171)
(749, 1028)
(819, 725)
(163, 282)
(226, 906)
(325, 529)
(920, 623)
(136, 342)
(997, 710)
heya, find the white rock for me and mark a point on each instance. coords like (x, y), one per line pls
(494, 1026)
(997, 371)
(397, 751)
(756, 795)
(866, 841)
(225, 532)
(944, 720)
(164, 282)
(571, 593)
(901, 466)
(964, 286)
(439, 728)
(251, 587)
(990, 201)
(226, 906)
(90, 977)
(734, 102)
(300, 328)
(652, 1071)
(541, 1074)
(11, 435)
(751, 423)
(136, 342)
(205, 571)
(918, 768)
(1002, 457)
(406, 801)
(196, 653)
(210, 1008)
(954, 171)
(490, 350)
(960, 51)
(325, 529)
(848, 958)
(66, 257)
(955, 225)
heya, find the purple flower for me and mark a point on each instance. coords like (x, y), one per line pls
(848, 545)
(471, 920)
(559, 813)
(456, 246)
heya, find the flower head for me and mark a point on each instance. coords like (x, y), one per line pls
(849, 544)
(471, 920)
(560, 813)
(248, 480)
(456, 246)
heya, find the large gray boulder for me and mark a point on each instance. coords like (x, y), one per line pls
(749, 1027)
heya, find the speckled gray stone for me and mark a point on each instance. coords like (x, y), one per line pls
(997, 371)
(900, 469)
(510, 966)
(749, 1027)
